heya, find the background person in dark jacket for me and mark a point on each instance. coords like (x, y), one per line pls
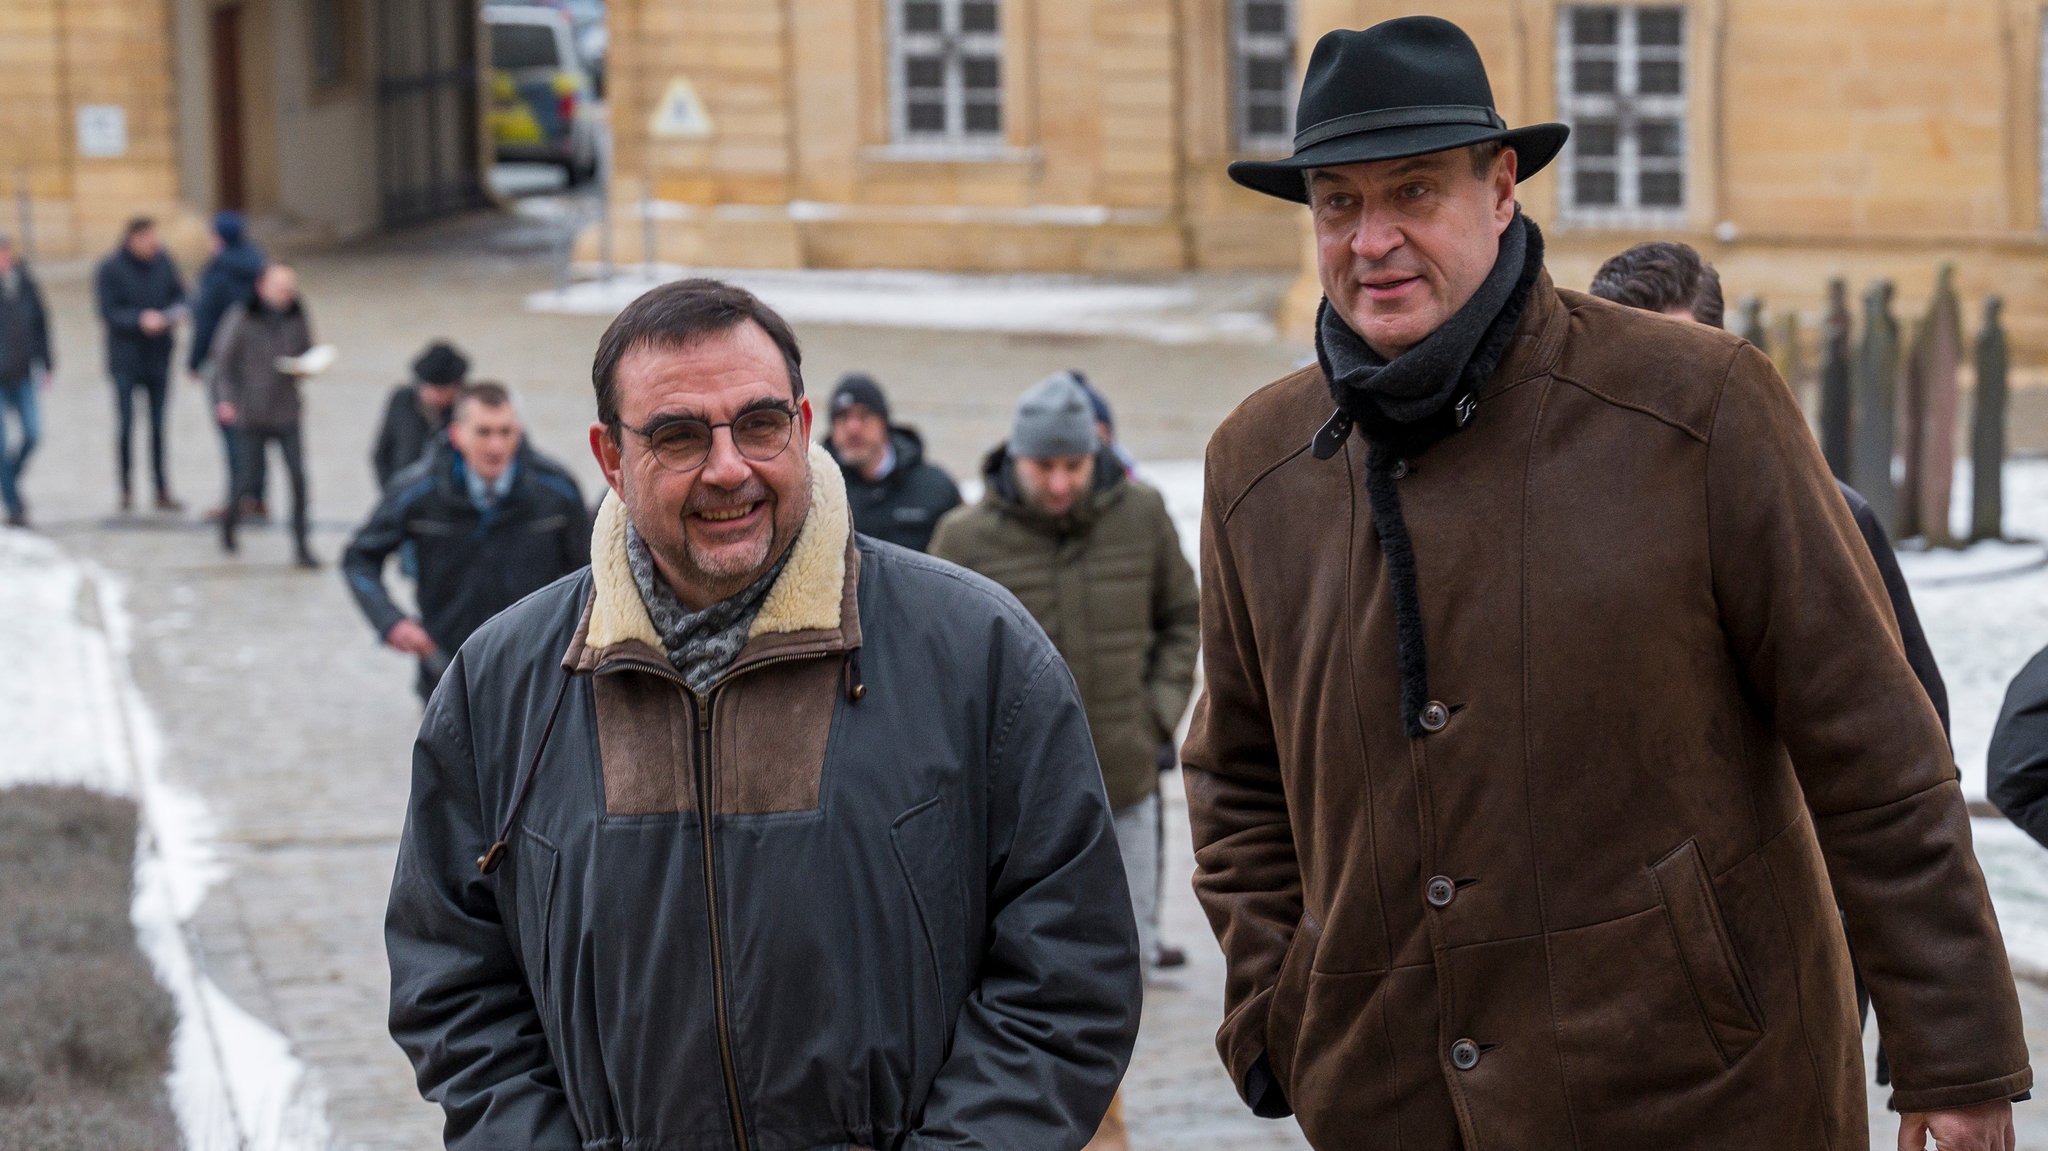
(260, 399)
(1670, 278)
(24, 352)
(896, 495)
(140, 299)
(416, 414)
(226, 280)
(491, 521)
(809, 848)
(2017, 765)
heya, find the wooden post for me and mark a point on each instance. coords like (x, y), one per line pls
(1987, 433)
(1750, 325)
(1938, 361)
(1835, 374)
(1876, 385)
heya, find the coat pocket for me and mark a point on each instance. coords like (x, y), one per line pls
(924, 843)
(536, 864)
(1713, 971)
(1284, 1012)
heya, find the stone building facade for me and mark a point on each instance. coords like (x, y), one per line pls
(1014, 135)
(322, 119)
(1789, 141)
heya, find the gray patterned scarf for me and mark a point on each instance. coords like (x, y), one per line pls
(700, 644)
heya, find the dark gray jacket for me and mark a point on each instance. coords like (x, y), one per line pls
(471, 565)
(2017, 766)
(906, 927)
(24, 328)
(244, 371)
(904, 506)
(406, 435)
(1911, 635)
(124, 288)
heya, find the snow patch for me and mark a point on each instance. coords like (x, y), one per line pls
(1168, 313)
(73, 715)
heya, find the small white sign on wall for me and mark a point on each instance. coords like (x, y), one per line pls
(102, 131)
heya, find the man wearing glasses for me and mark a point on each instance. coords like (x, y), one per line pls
(758, 834)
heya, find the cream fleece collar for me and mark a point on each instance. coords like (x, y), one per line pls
(808, 596)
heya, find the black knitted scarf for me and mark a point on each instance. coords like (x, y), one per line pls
(1404, 405)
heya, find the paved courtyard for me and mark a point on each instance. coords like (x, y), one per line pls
(280, 710)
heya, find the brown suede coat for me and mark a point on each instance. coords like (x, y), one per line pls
(1680, 727)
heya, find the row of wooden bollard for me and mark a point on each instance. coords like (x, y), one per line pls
(1885, 402)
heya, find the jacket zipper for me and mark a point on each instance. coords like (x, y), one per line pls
(704, 799)
(718, 982)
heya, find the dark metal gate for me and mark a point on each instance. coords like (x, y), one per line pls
(428, 138)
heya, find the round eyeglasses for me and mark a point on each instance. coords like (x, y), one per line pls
(683, 444)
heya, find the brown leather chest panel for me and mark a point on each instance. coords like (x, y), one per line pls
(769, 730)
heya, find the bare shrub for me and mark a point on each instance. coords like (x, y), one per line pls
(85, 1030)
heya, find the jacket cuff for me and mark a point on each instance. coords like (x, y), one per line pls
(1262, 1091)
(2005, 1087)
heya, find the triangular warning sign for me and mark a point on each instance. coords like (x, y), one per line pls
(680, 114)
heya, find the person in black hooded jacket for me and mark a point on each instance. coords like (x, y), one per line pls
(897, 497)
(226, 280)
(490, 520)
(416, 412)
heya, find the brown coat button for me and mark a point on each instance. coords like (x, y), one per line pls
(1464, 1055)
(1435, 717)
(1440, 891)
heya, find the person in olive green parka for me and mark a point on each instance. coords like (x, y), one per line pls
(1094, 557)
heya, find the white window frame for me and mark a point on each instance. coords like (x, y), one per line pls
(1627, 108)
(953, 47)
(1247, 47)
(2041, 116)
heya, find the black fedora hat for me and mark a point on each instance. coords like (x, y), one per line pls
(1400, 88)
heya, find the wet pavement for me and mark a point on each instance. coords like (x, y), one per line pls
(278, 706)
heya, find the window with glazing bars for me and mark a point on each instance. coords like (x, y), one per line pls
(1262, 57)
(946, 59)
(1622, 86)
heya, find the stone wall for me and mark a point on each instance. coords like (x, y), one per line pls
(1115, 138)
(58, 55)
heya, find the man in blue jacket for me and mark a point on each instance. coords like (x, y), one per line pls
(226, 280)
(490, 520)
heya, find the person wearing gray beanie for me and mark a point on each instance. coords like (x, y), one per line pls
(1093, 555)
(1054, 418)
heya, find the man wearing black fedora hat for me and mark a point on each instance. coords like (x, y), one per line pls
(1552, 703)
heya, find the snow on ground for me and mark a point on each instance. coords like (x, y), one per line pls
(72, 715)
(1985, 610)
(1172, 312)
